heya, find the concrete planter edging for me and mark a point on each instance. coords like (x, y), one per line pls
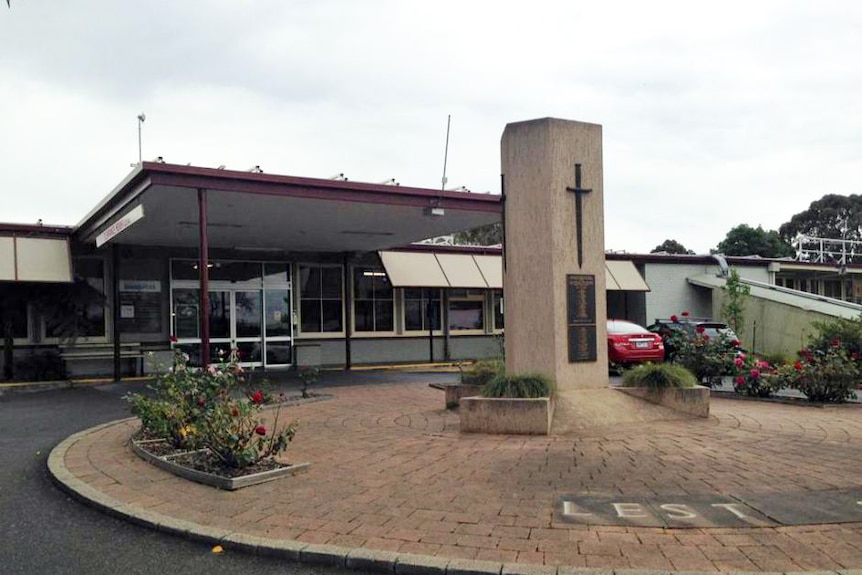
(692, 401)
(454, 393)
(507, 416)
(217, 481)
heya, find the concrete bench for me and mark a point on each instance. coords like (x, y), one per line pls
(99, 351)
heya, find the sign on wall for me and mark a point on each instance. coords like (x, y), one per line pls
(581, 317)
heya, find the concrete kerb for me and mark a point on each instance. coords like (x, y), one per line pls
(359, 558)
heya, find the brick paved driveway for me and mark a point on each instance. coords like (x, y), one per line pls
(390, 471)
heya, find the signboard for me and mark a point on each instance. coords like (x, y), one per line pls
(141, 306)
(121, 224)
(581, 317)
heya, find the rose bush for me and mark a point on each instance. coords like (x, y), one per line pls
(828, 376)
(708, 358)
(205, 408)
(755, 377)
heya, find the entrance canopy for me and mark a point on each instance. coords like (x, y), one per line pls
(157, 205)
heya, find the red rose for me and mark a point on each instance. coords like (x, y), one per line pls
(699, 329)
(684, 314)
(260, 430)
(740, 380)
(674, 318)
(797, 366)
(257, 397)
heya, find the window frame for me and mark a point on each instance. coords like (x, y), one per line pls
(299, 333)
(469, 296)
(375, 333)
(424, 329)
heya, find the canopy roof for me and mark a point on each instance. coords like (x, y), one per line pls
(272, 212)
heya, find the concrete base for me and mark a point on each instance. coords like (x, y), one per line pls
(507, 416)
(594, 410)
(692, 401)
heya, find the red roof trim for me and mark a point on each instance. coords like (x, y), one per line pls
(33, 229)
(271, 184)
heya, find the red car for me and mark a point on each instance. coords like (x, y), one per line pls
(630, 343)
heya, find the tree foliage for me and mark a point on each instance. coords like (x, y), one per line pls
(671, 247)
(733, 308)
(743, 240)
(489, 235)
(832, 216)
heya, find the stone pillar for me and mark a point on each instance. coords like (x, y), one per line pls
(541, 252)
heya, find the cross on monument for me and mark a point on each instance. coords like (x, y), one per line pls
(579, 218)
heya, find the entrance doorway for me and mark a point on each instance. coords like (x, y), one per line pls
(252, 313)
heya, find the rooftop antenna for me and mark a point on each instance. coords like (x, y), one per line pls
(446, 153)
(141, 118)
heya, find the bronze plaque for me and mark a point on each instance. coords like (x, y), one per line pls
(581, 316)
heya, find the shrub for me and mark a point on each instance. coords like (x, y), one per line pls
(848, 332)
(44, 365)
(756, 377)
(659, 376)
(708, 358)
(308, 375)
(483, 372)
(527, 385)
(829, 376)
(206, 408)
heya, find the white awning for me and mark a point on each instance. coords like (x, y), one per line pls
(408, 270)
(423, 269)
(624, 275)
(27, 259)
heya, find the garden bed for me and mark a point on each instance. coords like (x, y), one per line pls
(202, 466)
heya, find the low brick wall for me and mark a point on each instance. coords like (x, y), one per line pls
(507, 416)
(693, 401)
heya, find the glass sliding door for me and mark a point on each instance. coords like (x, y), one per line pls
(247, 335)
(279, 327)
(255, 318)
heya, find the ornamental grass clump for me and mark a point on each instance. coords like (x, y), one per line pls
(522, 386)
(195, 408)
(659, 376)
(483, 372)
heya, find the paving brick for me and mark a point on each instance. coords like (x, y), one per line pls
(392, 474)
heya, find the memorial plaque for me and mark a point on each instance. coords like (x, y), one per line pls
(581, 317)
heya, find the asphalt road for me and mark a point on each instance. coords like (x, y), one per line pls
(44, 531)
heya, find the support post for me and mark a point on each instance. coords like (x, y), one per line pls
(203, 267)
(348, 312)
(115, 310)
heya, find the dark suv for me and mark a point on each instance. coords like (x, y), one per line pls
(690, 327)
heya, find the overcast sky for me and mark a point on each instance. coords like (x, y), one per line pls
(713, 114)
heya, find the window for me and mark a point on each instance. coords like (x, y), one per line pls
(466, 310)
(320, 299)
(499, 320)
(417, 303)
(373, 302)
(81, 313)
(15, 312)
